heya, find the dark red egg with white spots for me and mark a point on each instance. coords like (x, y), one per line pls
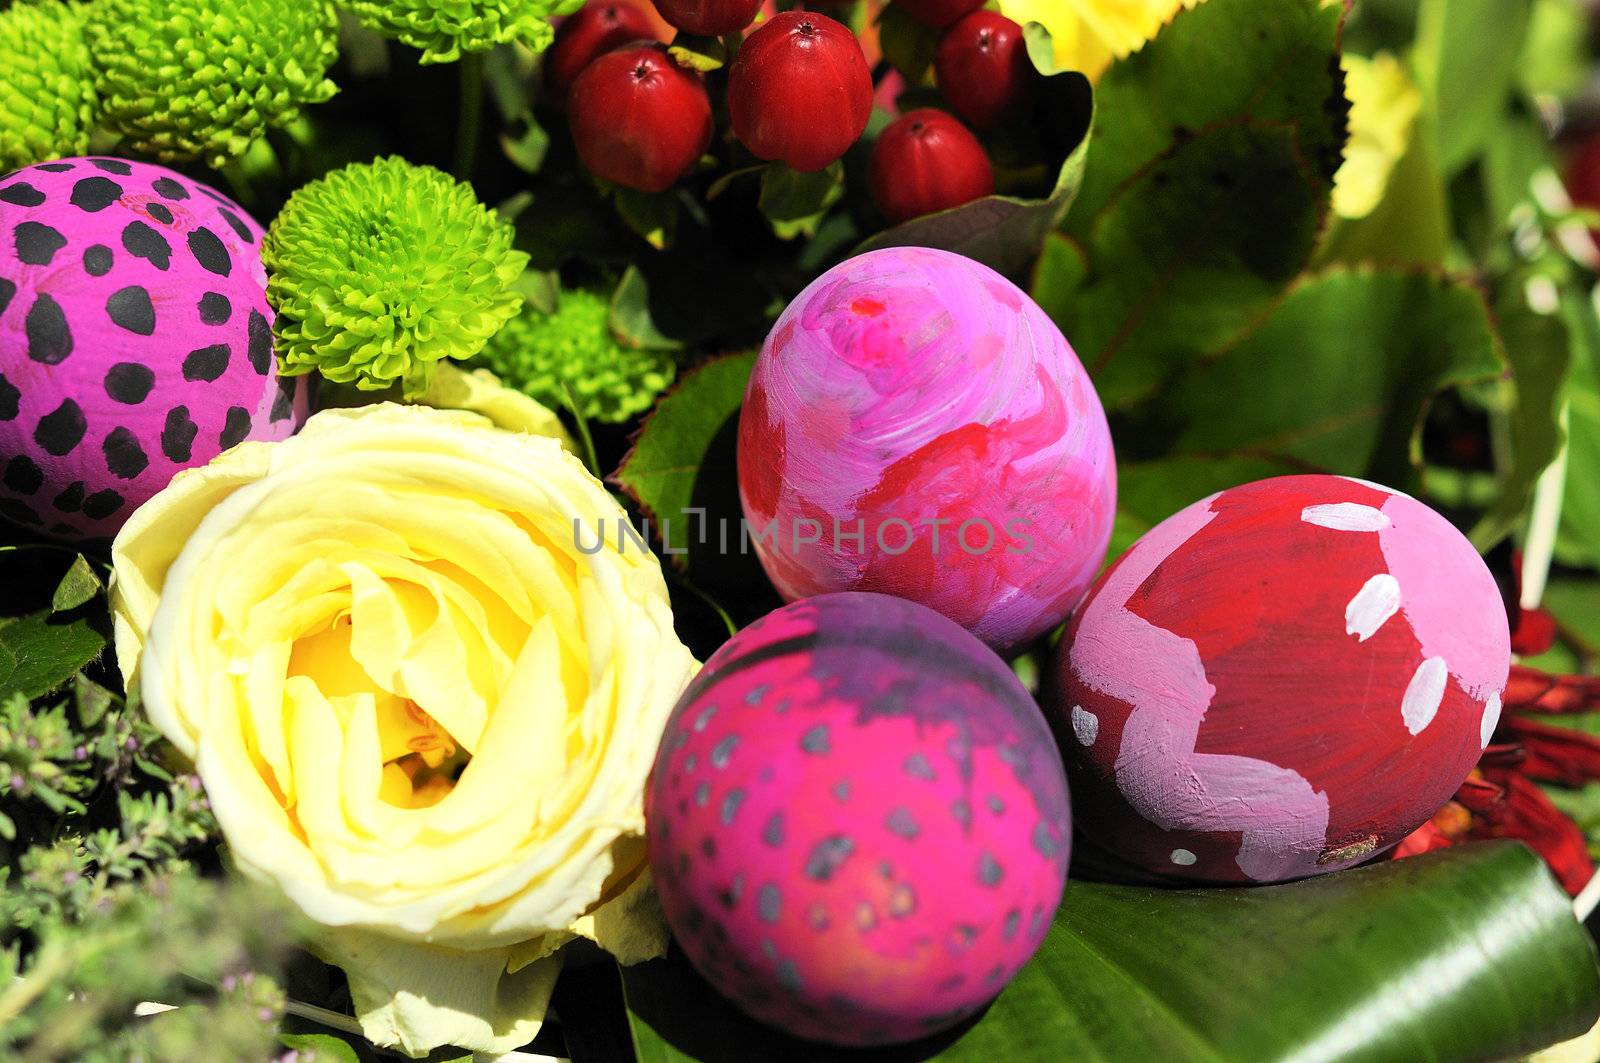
(135, 340)
(1280, 680)
(857, 821)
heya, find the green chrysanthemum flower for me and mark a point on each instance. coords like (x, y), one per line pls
(47, 97)
(202, 79)
(443, 29)
(380, 269)
(538, 353)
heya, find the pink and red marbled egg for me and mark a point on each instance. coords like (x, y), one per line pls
(1280, 680)
(857, 821)
(916, 425)
(135, 340)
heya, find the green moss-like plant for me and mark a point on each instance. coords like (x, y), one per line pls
(47, 94)
(443, 29)
(573, 347)
(380, 269)
(185, 80)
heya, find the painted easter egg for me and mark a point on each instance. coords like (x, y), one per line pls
(135, 340)
(916, 425)
(857, 821)
(1280, 680)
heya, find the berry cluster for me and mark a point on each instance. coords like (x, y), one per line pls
(799, 91)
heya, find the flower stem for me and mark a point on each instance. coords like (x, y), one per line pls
(590, 458)
(1539, 545)
(471, 115)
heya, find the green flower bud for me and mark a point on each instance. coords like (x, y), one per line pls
(47, 97)
(380, 269)
(539, 353)
(443, 29)
(186, 80)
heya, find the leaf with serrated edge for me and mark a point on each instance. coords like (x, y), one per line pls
(660, 471)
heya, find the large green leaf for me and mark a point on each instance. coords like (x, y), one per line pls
(1199, 242)
(1539, 348)
(1224, 61)
(666, 466)
(1579, 540)
(1410, 226)
(1213, 154)
(1004, 231)
(1466, 64)
(1466, 954)
(39, 653)
(1338, 377)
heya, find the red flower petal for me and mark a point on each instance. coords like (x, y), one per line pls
(1530, 690)
(1555, 754)
(1529, 816)
(1535, 632)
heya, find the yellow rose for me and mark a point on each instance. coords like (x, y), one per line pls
(417, 707)
(1089, 34)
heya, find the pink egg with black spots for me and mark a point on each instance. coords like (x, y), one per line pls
(916, 425)
(1283, 679)
(135, 340)
(858, 822)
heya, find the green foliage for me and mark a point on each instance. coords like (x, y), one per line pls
(663, 472)
(185, 80)
(1198, 207)
(444, 29)
(192, 944)
(795, 203)
(48, 103)
(1370, 351)
(381, 269)
(1467, 954)
(1466, 74)
(572, 352)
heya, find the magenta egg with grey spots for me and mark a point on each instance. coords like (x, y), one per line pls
(135, 340)
(858, 821)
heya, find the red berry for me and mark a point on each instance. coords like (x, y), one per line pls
(597, 28)
(938, 13)
(800, 90)
(927, 161)
(709, 18)
(639, 119)
(984, 70)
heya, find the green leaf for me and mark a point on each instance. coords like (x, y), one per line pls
(631, 320)
(794, 202)
(38, 653)
(1224, 61)
(1041, 47)
(1338, 377)
(1006, 232)
(662, 473)
(1466, 74)
(1204, 240)
(1470, 953)
(525, 143)
(92, 700)
(1538, 346)
(1579, 540)
(1410, 226)
(321, 1047)
(704, 54)
(540, 289)
(907, 44)
(653, 215)
(78, 586)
